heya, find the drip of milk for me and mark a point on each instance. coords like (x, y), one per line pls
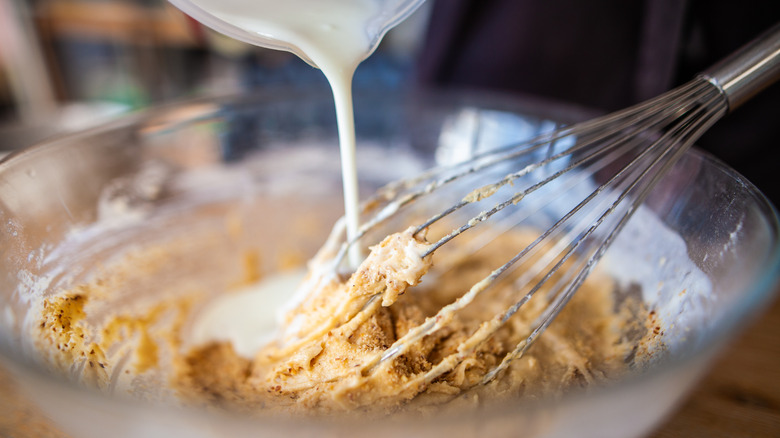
(334, 35)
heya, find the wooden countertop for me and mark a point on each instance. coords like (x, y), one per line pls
(739, 397)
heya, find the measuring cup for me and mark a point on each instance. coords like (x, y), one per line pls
(391, 12)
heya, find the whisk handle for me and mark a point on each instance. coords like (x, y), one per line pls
(748, 70)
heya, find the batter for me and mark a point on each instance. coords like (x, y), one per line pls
(326, 358)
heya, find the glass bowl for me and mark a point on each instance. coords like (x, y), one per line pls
(216, 182)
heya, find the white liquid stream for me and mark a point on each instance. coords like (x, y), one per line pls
(334, 35)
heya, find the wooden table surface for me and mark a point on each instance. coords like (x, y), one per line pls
(739, 397)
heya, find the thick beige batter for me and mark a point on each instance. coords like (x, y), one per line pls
(325, 359)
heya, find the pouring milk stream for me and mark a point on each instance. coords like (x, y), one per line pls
(334, 35)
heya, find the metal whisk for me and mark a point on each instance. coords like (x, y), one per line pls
(626, 153)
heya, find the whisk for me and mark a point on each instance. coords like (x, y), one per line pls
(626, 153)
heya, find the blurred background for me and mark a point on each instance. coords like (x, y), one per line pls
(69, 64)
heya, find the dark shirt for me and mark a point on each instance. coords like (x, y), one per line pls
(607, 55)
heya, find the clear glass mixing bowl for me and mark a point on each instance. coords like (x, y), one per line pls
(270, 160)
